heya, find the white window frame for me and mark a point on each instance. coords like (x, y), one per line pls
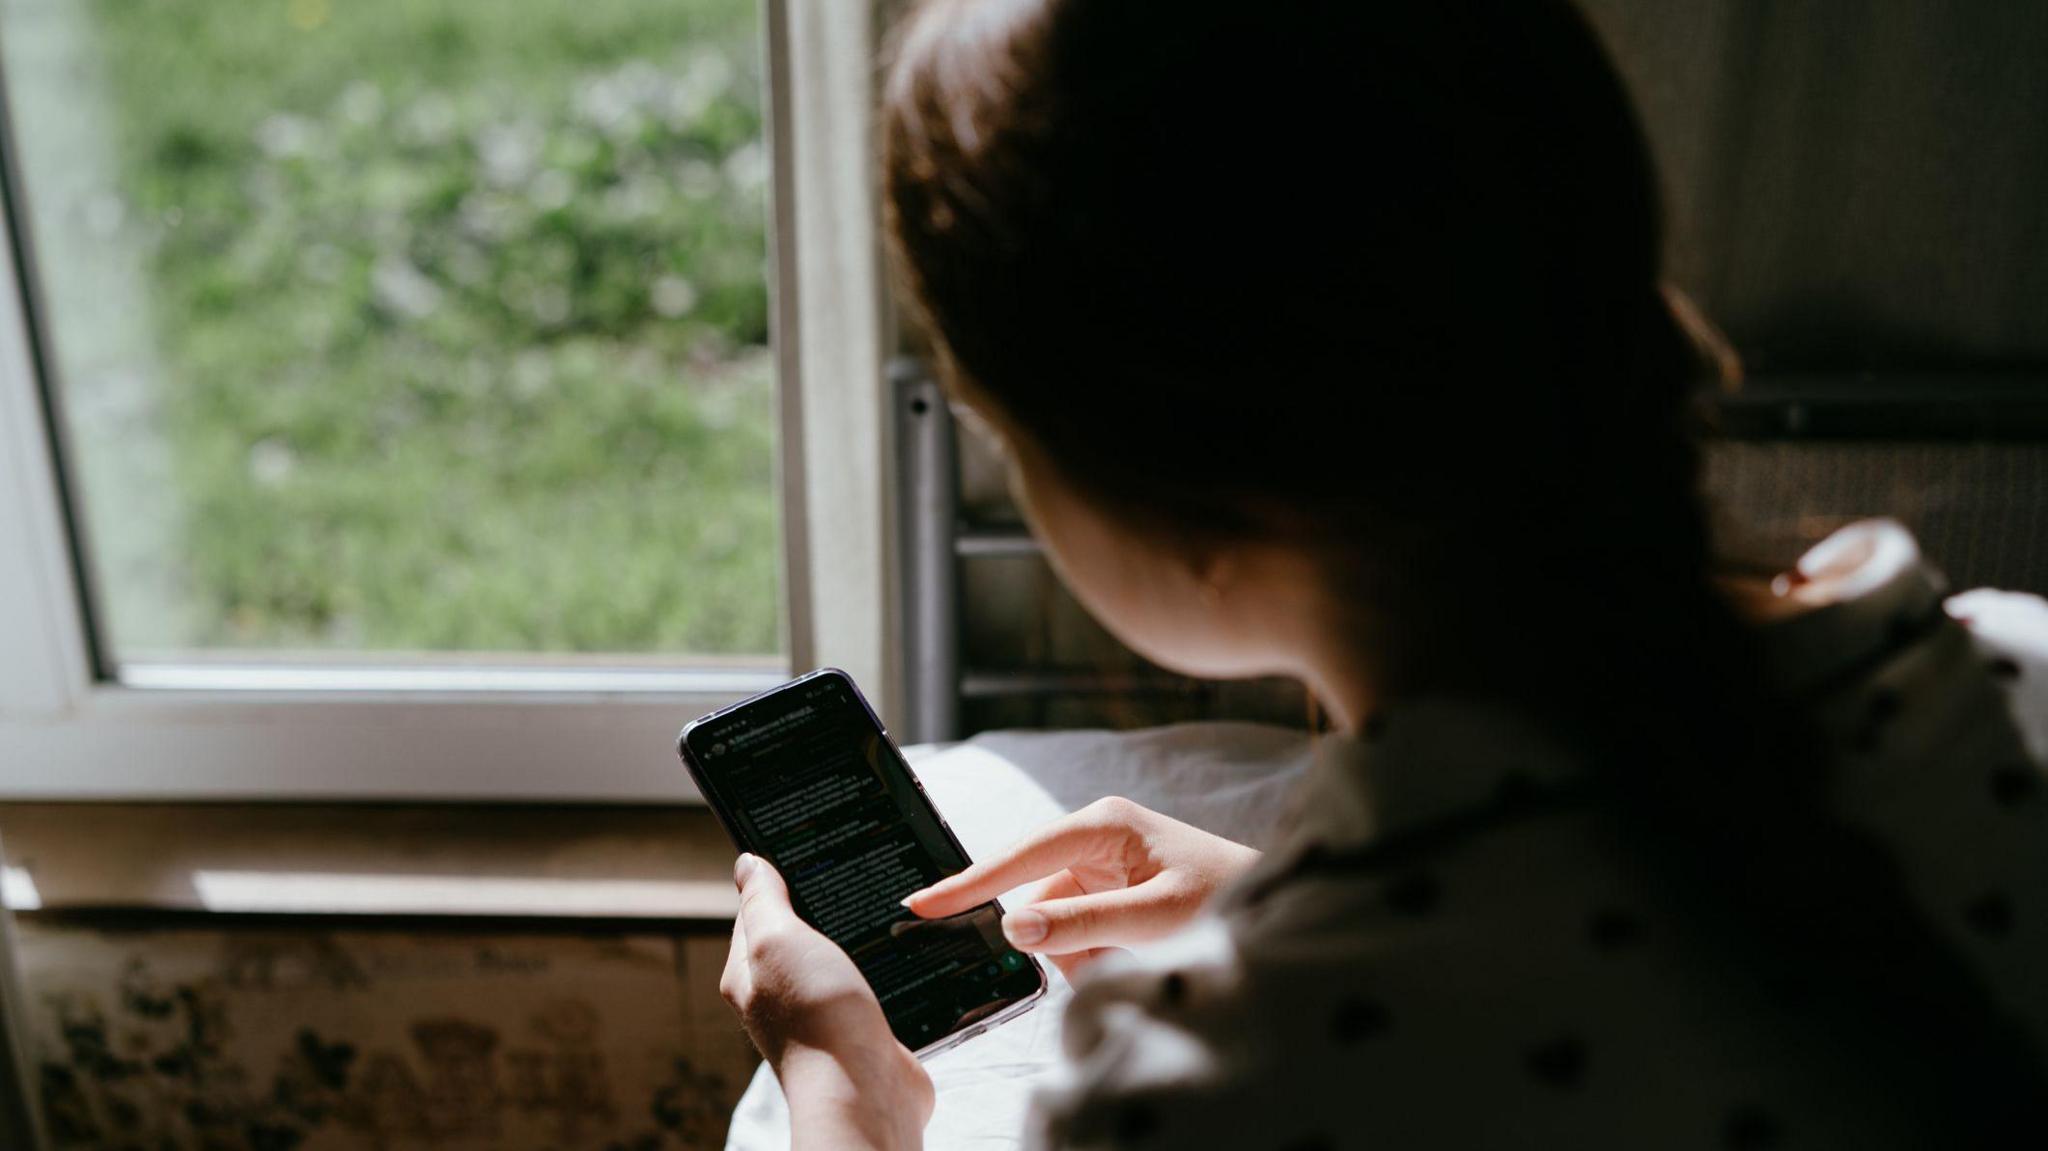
(469, 731)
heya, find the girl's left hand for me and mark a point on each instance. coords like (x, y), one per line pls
(849, 1083)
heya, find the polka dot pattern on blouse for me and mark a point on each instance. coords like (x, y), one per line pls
(1451, 951)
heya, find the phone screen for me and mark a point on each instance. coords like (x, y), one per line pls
(805, 778)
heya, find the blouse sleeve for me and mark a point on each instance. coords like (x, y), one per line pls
(1158, 1055)
(1263, 1026)
(1517, 986)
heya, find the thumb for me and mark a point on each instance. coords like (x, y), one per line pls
(764, 898)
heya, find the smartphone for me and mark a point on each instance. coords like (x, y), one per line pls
(806, 777)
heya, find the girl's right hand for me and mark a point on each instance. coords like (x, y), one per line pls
(1116, 873)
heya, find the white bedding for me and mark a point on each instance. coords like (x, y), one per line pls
(1234, 779)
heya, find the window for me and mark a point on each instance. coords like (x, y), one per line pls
(390, 403)
(407, 326)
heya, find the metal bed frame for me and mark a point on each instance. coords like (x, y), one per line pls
(936, 539)
(2008, 407)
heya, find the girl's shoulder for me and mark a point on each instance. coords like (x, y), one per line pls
(2009, 631)
(1459, 950)
(1936, 707)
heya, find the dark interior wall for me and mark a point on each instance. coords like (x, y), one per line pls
(1852, 185)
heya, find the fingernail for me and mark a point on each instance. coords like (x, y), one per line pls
(1024, 928)
(741, 868)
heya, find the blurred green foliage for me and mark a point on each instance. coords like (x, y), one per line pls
(463, 314)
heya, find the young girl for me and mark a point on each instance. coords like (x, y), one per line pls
(1326, 339)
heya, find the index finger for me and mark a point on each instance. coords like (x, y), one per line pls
(1047, 851)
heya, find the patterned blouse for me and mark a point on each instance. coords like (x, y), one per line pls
(1427, 963)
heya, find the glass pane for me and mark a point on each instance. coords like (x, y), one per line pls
(409, 325)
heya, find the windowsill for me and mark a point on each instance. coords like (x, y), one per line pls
(425, 860)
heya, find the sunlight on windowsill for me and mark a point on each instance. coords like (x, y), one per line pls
(337, 893)
(18, 890)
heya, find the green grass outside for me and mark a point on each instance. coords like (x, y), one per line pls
(462, 311)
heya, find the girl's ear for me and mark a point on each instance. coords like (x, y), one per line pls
(1719, 362)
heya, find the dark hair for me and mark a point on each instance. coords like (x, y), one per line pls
(1384, 277)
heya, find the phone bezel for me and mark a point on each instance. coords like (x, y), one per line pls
(732, 831)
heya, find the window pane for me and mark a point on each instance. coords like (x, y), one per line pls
(409, 325)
